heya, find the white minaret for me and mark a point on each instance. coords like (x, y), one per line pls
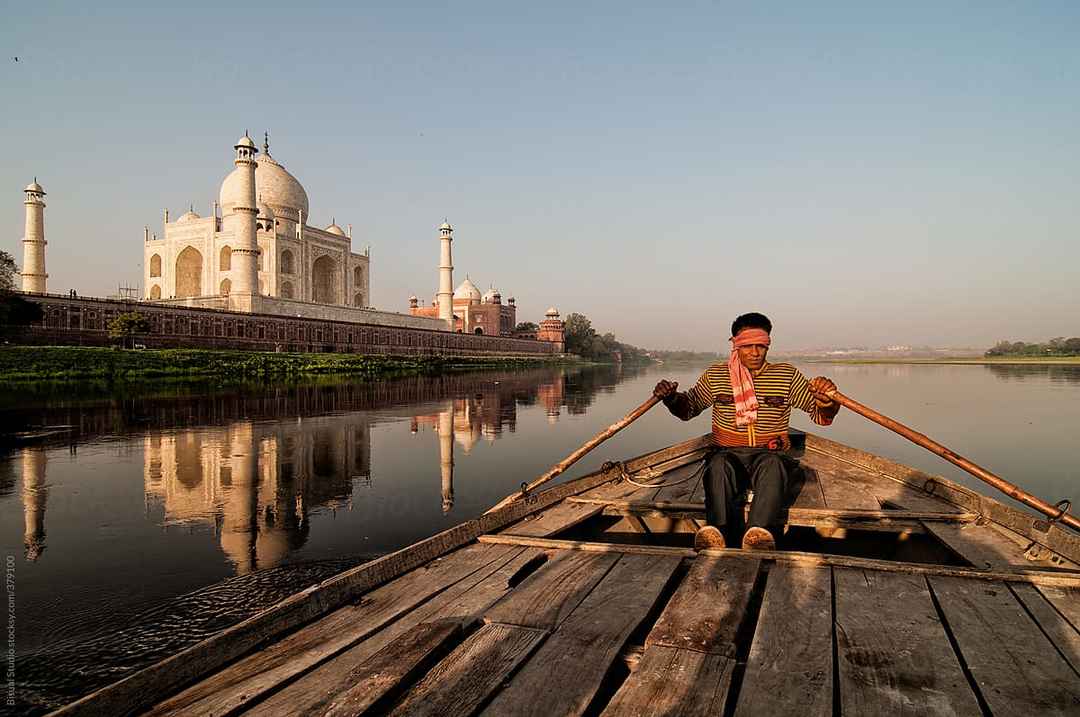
(245, 253)
(446, 276)
(33, 274)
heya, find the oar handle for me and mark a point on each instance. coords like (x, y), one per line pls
(979, 472)
(573, 458)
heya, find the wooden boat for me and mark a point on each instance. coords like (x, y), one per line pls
(892, 591)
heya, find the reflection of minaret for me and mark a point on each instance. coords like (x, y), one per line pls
(238, 527)
(34, 495)
(446, 456)
(551, 395)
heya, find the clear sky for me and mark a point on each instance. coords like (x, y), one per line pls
(865, 173)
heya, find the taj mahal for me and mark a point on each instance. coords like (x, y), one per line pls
(255, 253)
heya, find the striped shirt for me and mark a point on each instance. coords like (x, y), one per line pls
(778, 386)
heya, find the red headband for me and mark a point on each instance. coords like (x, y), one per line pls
(748, 337)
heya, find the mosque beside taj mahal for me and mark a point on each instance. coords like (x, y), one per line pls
(255, 253)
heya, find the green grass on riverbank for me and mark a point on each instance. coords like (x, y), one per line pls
(71, 363)
(974, 360)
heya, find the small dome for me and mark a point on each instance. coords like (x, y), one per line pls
(335, 229)
(34, 187)
(490, 294)
(552, 313)
(446, 225)
(265, 212)
(188, 216)
(245, 141)
(467, 290)
(413, 298)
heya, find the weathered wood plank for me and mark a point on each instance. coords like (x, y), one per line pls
(397, 663)
(550, 594)
(789, 670)
(979, 545)
(468, 675)
(1017, 669)
(708, 607)
(1066, 578)
(893, 653)
(244, 681)
(555, 519)
(670, 681)
(809, 493)
(1064, 636)
(316, 690)
(1067, 601)
(686, 479)
(840, 487)
(563, 676)
(1063, 541)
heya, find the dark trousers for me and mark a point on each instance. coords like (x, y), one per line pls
(728, 474)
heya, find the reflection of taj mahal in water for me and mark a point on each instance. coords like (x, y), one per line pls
(256, 482)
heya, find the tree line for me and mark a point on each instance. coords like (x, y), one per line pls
(582, 339)
(1059, 346)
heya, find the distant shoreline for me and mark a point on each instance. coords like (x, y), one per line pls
(973, 361)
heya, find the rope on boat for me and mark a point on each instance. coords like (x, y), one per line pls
(650, 473)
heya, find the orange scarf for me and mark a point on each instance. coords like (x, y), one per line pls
(742, 381)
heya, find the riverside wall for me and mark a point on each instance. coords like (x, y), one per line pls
(83, 321)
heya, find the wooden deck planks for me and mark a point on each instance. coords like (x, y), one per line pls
(1017, 669)
(790, 668)
(553, 520)
(466, 677)
(397, 663)
(839, 484)
(316, 690)
(1064, 636)
(706, 610)
(550, 594)
(980, 545)
(690, 653)
(672, 681)
(893, 653)
(563, 676)
(260, 672)
(687, 477)
(1067, 601)
(809, 493)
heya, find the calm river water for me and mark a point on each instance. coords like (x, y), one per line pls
(166, 516)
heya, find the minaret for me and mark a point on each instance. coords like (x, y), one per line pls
(446, 457)
(33, 274)
(446, 276)
(245, 252)
(34, 495)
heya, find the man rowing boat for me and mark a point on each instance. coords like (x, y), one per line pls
(751, 403)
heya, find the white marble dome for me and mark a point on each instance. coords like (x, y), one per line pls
(273, 185)
(467, 290)
(188, 216)
(490, 294)
(335, 229)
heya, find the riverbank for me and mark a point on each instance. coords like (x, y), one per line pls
(976, 361)
(19, 364)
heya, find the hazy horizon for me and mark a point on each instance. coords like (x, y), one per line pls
(905, 174)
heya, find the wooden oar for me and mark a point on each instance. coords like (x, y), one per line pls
(573, 458)
(1052, 511)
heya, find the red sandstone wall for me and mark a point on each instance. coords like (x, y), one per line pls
(84, 321)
